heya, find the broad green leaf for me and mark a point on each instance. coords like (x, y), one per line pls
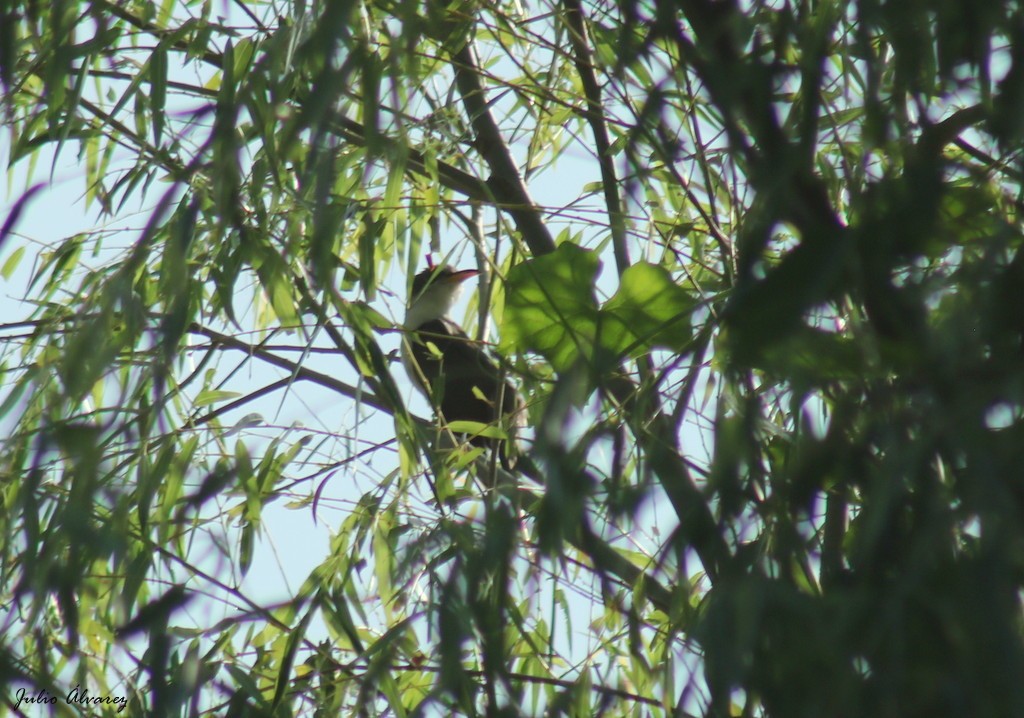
(550, 309)
(550, 306)
(648, 310)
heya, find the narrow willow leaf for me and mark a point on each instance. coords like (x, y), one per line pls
(475, 428)
(158, 92)
(12, 261)
(295, 637)
(212, 396)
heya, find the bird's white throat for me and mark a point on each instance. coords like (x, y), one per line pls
(434, 303)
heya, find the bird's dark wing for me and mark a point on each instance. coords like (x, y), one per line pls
(464, 380)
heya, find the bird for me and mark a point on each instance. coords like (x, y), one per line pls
(454, 372)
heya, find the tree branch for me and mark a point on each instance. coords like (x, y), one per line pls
(594, 114)
(297, 370)
(505, 183)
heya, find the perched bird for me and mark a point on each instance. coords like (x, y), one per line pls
(450, 369)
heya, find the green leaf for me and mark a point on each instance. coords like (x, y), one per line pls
(12, 262)
(371, 318)
(213, 396)
(649, 310)
(816, 357)
(276, 282)
(368, 241)
(476, 428)
(295, 637)
(550, 309)
(550, 306)
(371, 102)
(158, 83)
(384, 554)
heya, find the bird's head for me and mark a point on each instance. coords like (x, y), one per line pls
(434, 291)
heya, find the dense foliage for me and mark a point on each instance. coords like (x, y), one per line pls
(756, 268)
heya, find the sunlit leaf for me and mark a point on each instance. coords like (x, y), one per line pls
(550, 307)
(205, 398)
(648, 310)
